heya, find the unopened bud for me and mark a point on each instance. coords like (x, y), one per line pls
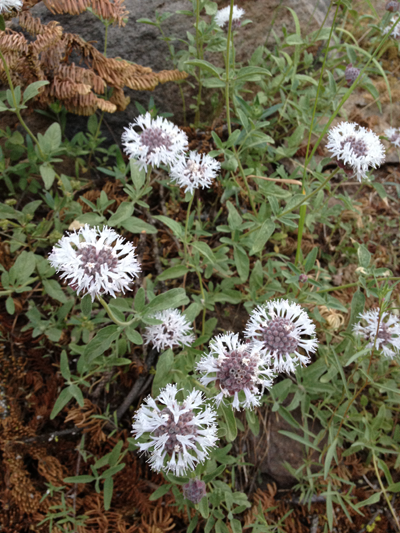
(303, 278)
(393, 6)
(351, 74)
(194, 490)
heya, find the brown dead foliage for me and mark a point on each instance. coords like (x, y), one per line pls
(48, 57)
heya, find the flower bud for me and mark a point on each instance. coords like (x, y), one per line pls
(194, 490)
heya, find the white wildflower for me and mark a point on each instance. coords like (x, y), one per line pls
(159, 142)
(8, 5)
(198, 170)
(222, 17)
(95, 261)
(393, 134)
(355, 148)
(178, 434)
(175, 330)
(238, 369)
(395, 33)
(279, 329)
(388, 337)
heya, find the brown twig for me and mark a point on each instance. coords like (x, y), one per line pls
(277, 180)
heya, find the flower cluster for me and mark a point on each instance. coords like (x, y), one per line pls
(279, 330)
(178, 434)
(7, 5)
(355, 148)
(174, 330)
(160, 142)
(386, 338)
(392, 6)
(95, 261)
(393, 134)
(222, 17)
(395, 32)
(195, 171)
(235, 367)
(351, 74)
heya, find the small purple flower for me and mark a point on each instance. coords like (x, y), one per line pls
(351, 74)
(303, 278)
(194, 490)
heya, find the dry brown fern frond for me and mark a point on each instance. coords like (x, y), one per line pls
(159, 522)
(81, 417)
(48, 57)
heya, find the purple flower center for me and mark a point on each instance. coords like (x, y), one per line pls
(172, 428)
(154, 139)
(92, 259)
(236, 371)
(384, 334)
(277, 336)
(358, 146)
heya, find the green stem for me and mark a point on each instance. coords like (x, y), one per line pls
(227, 60)
(199, 56)
(16, 104)
(187, 226)
(203, 297)
(112, 316)
(10, 291)
(384, 492)
(303, 209)
(306, 198)
(349, 285)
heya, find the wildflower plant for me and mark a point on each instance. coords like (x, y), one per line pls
(244, 220)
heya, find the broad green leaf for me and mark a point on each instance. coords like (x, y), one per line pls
(203, 507)
(54, 290)
(79, 479)
(160, 492)
(242, 263)
(64, 366)
(230, 420)
(357, 307)
(137, 225)
(48, 174)
(329, 456)
(10, 306)
(33, 89)
(61, 402)
(168, 300)
(175, 227)
(108, 489)
(300, 439)
(173, 272)
(204, 65)
(163, 371)
(133, 335)
(364, 257)
(262, 236)
(124, 211)
(205, 250)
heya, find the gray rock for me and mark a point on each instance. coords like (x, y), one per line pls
(141, 44)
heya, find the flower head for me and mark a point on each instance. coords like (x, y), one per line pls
(355, 148)
(351, 74)
(9, 5)
(197, 170)
(392, 6)
(95, 261)
(178, 435)
(278, 329)
(388, 337)
(395, 32)
(235, 367)
(222, 17)
(175, 330)
(194, 490)
(160, 141)
(393, 134)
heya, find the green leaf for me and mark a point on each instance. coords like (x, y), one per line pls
(2, 23)
(193, 524)
(262, 236)
(48, 174)
(86, 305)
(173, 272)
(10, 306)
(294, 39)
(61, 402)
(108, 489)
(140, 300)
(137, 225)
(64, 366)
(79, 479)
(236, 525)
(203, 507)
(133, 335)
(54, 290)
(138, 176)
(163, 371)
(175, 227)
(205, 250)
(124, 211)
(253, 421)
(364, 257)
(204, 65)
(77, 394)
(242, 263)
(357, 307)
(100, 343)
(212, 475)
(329, 456)
(33, 89)
(23, 267)
(369, 501)
(252, 73)
(300, 439)
(110, 472)
(230, 420)
(160, 492)
(234, 219)
(168, 300)
(310, 260)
